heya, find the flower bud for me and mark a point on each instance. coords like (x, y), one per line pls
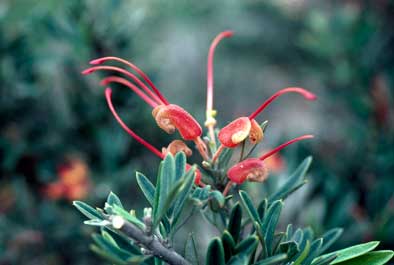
(171, 117)
(177, 146)
(252, 169)
(235, 132)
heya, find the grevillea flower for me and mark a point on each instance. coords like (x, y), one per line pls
(173, 147)
(238, 130)
(254, 169)
(169, 117)
(73, 181)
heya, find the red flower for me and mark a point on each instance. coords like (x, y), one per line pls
(238, 130)
(254, 169)
(174, 146)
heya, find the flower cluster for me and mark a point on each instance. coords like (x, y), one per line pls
(172, 118)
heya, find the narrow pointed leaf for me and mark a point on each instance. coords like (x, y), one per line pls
(270, 222)
(272, 260)
(235, 221)
(228, 245)
(248, 204)
(295, 181)
(146, 187)
(87, 210)
(329, 238)
(372, 258)
(314, 251)
(304, 254)
(113, 199)
(215, 253)
(353, 251)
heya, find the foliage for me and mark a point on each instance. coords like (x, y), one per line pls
(249, 234)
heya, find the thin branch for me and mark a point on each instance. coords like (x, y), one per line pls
(152, 243)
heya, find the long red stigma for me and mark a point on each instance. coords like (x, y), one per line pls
(135, 68)
(139, 92)
(305, 93)
(127, 73)
(280, 147)
(108, 96)
(215, 42)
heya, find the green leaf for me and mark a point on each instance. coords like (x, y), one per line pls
(353, 251)
(247, 246)
(180, 165)
(295, 181)
(329, 238)
(314, 251)
(248, 204)
(235, 221)
(114, 200)
(215, 253)
(372, 258)
(110, 248)
(270, 222)
(289, 247)
(303, 255)
(174, 194)
(126, 215)
(87, 210)
(324, 260)
(164, 181)
(272, 260)
(228, 245)
(179, 203)
(147, 187)
(216, 200)
(262, 208)
(191, 253)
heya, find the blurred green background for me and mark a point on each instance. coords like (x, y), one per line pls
(58, 141)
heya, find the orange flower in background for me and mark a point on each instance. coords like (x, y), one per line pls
(73, 181)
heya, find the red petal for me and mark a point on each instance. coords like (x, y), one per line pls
(235, 132)
(246, 169)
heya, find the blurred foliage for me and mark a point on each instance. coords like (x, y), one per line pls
(51, 115)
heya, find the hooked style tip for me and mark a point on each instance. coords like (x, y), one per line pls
(87, 71)
(227, 33)
(280, 147)
(97, 61)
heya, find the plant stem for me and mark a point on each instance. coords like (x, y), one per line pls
(153, 244)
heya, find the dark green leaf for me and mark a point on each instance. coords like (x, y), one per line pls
(353, 251)
(147, 187)
(372, 258)
(272, 260)
(188, 181)
(248, 204)
(329, 238)
(114, 200)
(87, 210)
(235, 221)
(295, 181)
(180, 165)
(269, 224)
(215, 253)
(303, 254)
(228, 245)
(262, 208)
(216, 200)
(289, 247)
(324, 260)
(247, 246)
(314, 251)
